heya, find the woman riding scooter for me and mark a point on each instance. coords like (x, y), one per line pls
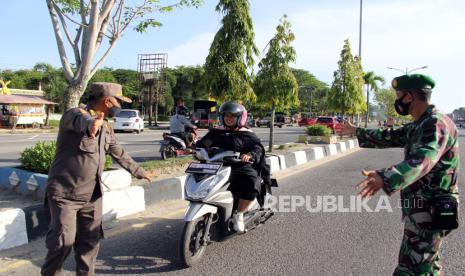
(234, 135)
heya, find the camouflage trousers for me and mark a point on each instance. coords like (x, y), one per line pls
(419, 251)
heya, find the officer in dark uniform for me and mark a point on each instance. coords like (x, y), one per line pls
(74, 188)
(426, 178)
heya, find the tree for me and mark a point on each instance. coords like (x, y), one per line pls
(371, 81)
(313, 93)
(91, 22)
(276, 85)
(231, 54)
(346, 94)
(385, 99)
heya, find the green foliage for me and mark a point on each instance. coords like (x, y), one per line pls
(311, 92)
(371, 81)
(276, 85)
(346, 94)
(39, 157)
(385, 99)
(231, 54)
(108, 162)
(52, 79)
(319, 130)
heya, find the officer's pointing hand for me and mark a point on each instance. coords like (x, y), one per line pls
(95, 126)
(149, 176)
(371, 185)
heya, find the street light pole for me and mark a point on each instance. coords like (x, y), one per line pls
(360, 32)
(407, 71)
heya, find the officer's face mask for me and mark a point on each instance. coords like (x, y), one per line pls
(401, 107)
(113, 110)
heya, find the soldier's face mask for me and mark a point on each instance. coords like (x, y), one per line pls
(401, 107)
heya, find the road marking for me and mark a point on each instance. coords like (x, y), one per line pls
(136, 151)
(15, 265)
(30, 138)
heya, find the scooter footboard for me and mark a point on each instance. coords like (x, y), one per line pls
(196, 210)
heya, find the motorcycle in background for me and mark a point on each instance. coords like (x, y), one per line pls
(173, 146)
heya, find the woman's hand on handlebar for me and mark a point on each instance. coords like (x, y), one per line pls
(247, 157)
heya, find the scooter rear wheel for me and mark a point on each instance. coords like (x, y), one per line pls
(192, 246)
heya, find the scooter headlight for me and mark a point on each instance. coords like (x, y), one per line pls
(199, 190)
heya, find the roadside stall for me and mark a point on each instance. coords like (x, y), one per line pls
(27, 109)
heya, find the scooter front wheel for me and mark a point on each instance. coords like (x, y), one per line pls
(193, 243)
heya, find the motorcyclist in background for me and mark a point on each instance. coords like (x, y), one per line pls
(235, 136)
(179, 123)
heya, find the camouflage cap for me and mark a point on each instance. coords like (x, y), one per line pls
(414, 81)
(99, 89)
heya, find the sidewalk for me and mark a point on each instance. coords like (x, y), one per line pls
(23, 220)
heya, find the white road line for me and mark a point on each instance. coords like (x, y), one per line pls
(30, 138)
(136, 151)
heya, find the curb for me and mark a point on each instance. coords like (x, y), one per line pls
(20, 226)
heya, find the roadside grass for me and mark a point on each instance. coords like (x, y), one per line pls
(53, 123)
(164, 164)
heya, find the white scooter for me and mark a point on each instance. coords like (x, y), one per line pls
(208, 217)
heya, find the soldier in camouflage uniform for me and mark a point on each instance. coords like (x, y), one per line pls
(429, 169)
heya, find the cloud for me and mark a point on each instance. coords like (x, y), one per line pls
(192, 52)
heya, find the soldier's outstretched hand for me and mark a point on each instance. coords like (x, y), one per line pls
(371, 185)
(348, 128)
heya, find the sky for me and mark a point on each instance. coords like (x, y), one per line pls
(395, 33)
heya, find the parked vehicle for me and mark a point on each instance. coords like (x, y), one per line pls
(250, 120)
(330, 122)
(280, 119)
(205, 114)
(211, 204)
(173, 146)
(128, 120)
(307, 121)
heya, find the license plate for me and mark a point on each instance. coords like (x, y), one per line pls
(125, 124)
(210, 168)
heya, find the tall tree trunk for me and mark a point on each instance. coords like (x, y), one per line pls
(150, 105)
(72, 96)
(270, 145)
(47, 116)
(156, 105)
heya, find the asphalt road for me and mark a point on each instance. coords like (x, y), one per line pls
(141, 147)
(291, 243)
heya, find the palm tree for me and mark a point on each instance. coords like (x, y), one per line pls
(371, 81)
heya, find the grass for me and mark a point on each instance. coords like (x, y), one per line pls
(160, 164)
(53, 123)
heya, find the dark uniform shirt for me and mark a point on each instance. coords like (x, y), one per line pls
(79, 161)
(431, 160)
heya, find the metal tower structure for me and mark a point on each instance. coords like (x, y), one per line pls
(150, 68)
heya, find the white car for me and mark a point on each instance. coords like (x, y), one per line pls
(128, 120)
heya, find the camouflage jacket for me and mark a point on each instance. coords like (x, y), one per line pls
(431, 150)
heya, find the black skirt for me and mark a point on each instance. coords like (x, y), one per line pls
(244, 182)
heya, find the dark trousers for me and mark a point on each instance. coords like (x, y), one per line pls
(76, 224)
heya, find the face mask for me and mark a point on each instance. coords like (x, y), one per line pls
(401, 107)
(113, 111)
